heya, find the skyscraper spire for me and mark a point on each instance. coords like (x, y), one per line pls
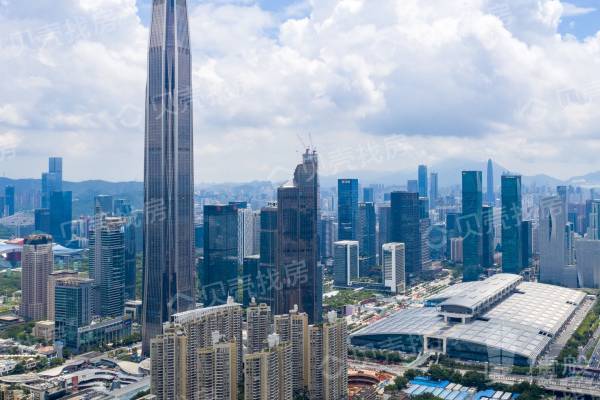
(490, 196)
(168, 171)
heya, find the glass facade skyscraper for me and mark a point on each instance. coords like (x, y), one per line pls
(169, 273)
(490, 196)
(61, 214)
(423, 182)
(406, 228)
(367, 238)
(297, 219)
(512, 216)
(347, 209)
(470, 224)
(9, 200)
(487, 226)
(433, 189)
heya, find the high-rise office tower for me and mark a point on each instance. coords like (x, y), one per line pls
(423, 182)
(588, 262)
(121, 208)
(527, 242)
(551, 237)
(412, 186)
(268, 372)
(42, 220)
(72, 308)
(169, 265)
(51, 180)
(2, 206)
(512, 216)
(470, 224)
(37, 264)
(130, 256)
(347, 209)
(52, 278)
(245, 233)
(384, 230)
(220, 270)
(217, 371)
(252, 280)
(328, 349)
(490, 197)
(369, 195)
(293, 328)
(406, 228)
(434, 193)
(268, 254)
(452, 230)
(103, 204)
(345, 262)
(107, 265)
(424, 232)
(367, 237)
(423, 207)
(297, 217)
(9, 200)
(200, 326)
(169, 364)
(326, 235)
(258, 318)
(487, 239)
(593, 231)
(394, 267)
(61, 215)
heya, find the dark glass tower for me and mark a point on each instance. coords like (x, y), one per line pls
(347, 209)
(490, 196)
(268, 256)
(487, 227)
(367, 237)
(9, 199)
(61, 214)
(470, 224)
(512, 251)
(297, 217)
(423, 183)
(406, 228)
(169, 272)
(527, 242)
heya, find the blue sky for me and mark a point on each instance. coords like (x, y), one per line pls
(374, 84)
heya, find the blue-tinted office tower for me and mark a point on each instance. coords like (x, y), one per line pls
(367, 238)
(487, 225)
(512, 216)
(103, 204)
(452, 230)
(9, 200)
(61, 215)
(52, 180)
(470, 224)
(423, 182)
(406, 228)
(347, 209)
(169, 265)
(130, 258)
(297, 242)
(121, 207)
(490, 197)
(527, 242)
(1, 206)
(267, 271)
(412, 186)
(384, 235)
(423, 207)
(368, 195)
(42, 220)
(220, 274)
(433, 189)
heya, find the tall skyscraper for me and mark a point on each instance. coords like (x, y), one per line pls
(52, 180)
(268, 255)
(326, 235)
(169, 267)
(552, 240)
(593, 230)
(367, 237)
(487, 229)
(394, 267)
(423, 183)
(347, 209)
(130, 258)
(588, 262)
(384, 233)
(37, 264)
(368, 195)
(72, 308)
(297, 218)
(527, 242)
(512, 217)
(52, 279)
(345, 262)
(490, 196)
(42, 220)
(9, 200)
(406, 228)
(434, 193)
(470, 224)
(61, 215)
(107, 265)
(220, 268)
